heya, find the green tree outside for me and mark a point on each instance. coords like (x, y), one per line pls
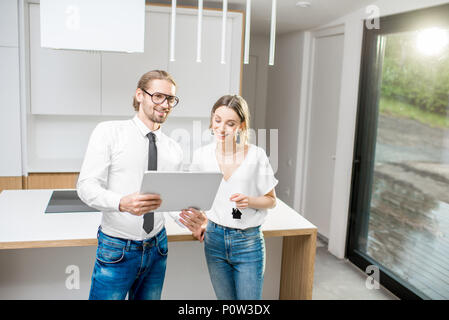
(417, 81)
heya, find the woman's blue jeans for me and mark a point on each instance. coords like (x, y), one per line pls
(136, 268)
(236, 261)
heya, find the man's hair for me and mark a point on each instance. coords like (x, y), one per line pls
(146, 79)
(239, 105)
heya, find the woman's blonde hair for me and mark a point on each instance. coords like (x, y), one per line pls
(146, 79)
(239, 105)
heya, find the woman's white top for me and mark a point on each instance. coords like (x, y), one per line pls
(254, 178)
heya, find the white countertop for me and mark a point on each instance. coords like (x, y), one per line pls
(23, 219)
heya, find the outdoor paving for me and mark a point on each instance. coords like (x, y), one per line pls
(408, 227)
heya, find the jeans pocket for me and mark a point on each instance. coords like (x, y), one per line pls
(109, 255)
(162, 247)
(207, 234)
(253, 233)
(209, 228)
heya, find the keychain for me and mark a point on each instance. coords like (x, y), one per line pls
(236, 213)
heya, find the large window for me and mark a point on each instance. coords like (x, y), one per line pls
(400, 190)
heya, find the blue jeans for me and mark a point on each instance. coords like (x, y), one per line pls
(236, 261)
(136, 268)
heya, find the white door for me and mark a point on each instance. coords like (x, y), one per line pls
(325, 98)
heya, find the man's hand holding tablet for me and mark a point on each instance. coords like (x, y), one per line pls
(179, 189)
(139, 204)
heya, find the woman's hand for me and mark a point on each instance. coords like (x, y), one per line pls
(241, 201)
(195, 221)
(267, 201)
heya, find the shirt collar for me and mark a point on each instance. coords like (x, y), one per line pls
(144, 130)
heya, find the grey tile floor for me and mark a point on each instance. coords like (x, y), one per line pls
(336, 279)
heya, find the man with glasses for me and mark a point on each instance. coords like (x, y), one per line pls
(132, 242)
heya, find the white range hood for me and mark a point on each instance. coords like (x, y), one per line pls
(98, 25)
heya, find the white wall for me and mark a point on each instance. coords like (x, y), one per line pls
(283, 101)
(10, 132)
(9, 27)
(348, 108)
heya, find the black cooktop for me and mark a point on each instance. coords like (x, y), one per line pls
(62, 201)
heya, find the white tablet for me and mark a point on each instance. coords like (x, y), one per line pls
(181, 190)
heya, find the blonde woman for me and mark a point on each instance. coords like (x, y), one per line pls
(233, 241)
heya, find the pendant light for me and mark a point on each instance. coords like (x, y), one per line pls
(172, 30)
(199, 30)
(223, 32)
(272, 33)
(247, 31)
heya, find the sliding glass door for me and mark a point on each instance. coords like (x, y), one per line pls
(400, 191)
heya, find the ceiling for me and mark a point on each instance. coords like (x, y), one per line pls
(289, 16)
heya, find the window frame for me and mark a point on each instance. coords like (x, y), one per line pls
(366, 129)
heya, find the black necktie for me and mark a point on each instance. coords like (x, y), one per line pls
(148, 218)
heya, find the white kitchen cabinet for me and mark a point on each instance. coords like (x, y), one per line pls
(10, 145)
(120, 72)
(71, 91)
(65, 82)
(9, 34)
(200, 84)
(62, 82)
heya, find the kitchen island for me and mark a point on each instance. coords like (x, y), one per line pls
(24, 224)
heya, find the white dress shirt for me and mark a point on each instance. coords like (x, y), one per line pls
(115, 161)
(254, 178)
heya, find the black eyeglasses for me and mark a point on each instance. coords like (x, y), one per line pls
(159, 98)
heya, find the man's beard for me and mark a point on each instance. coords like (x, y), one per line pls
(154, 118)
